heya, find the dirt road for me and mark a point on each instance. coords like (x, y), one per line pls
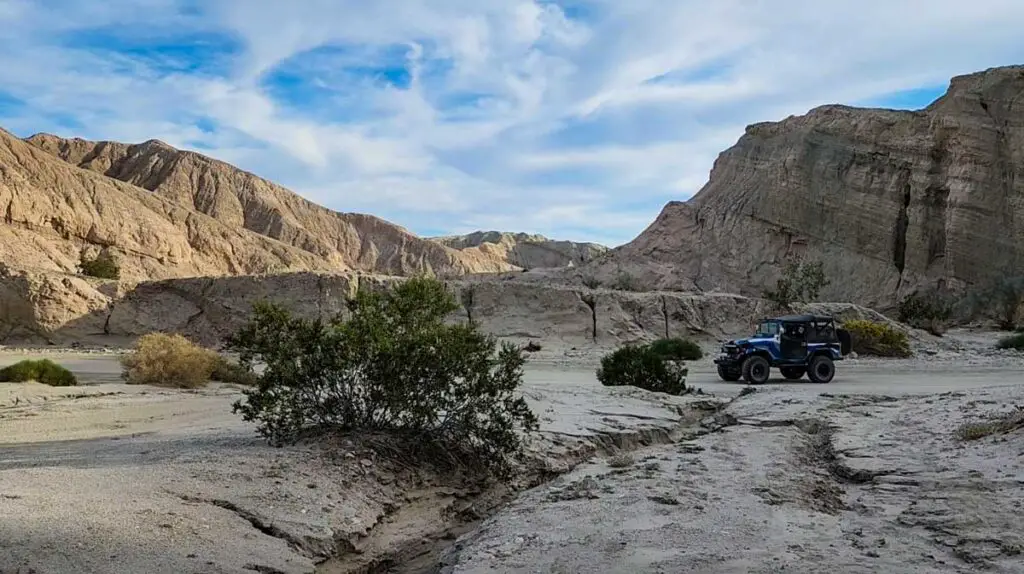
(872, 376)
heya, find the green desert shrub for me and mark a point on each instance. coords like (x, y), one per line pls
(393, 367)
(645, 367)
(928, 310)
(801, 282)
(677, 349)
(1001, 299)
(228, 371)
(877, 339)
(42, 371)
(102, 266)
(1015, 342)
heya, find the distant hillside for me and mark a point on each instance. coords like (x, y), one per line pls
(211, 217)
(525, 250)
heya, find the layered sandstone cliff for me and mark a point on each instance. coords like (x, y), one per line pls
(528, 251)
(242, 201)
(890, 201)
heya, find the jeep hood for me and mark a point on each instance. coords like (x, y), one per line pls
(751, 340)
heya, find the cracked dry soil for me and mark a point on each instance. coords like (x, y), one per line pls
(782, 483)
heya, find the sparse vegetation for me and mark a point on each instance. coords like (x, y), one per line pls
(622, 460)
(626, 282)
(677, 349)
(102, 266)
(801, 282)
(228, 371)
(928, 310)
(1002, 299)
(466, 296)
(393, 367)
(532, 347)
(878, 339)
(42, 371)
(590, 282)
(1015, 342)
(172, 361)
(1001, 424)
(645, 367)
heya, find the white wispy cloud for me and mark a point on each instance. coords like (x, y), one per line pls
(578, 119)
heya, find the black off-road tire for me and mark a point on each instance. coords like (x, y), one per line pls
(729, 375)
(756, 370)
(821, 370)
(792, 373)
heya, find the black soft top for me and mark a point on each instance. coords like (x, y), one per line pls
(802, 319)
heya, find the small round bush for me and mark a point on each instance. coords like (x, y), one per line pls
(677, 349)
(878, 339)
(227, 371)
(644, 367)
(1015, 342)
(42, 371)
(166, 360)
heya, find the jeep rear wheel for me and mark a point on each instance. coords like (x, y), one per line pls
(792, 373)
(821, 369)
(756, 370)
(730, 375)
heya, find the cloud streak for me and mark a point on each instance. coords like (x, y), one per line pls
(578, 119)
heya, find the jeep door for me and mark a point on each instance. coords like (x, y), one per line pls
(793, 343)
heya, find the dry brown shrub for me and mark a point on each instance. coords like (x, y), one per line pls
(166, 360)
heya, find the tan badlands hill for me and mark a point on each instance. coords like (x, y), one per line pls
(890, 201)
(525, 250)
(53, 210)
(173, 213)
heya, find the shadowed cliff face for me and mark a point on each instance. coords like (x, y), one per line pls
(889, 200)
(243, 201)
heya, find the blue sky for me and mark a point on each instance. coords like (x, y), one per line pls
(578, 119)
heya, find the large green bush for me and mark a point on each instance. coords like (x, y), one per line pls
(393, 366)
(677, 349)
(878, 339)
(42, 371)
(645, 367)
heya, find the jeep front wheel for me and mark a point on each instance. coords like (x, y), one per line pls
(792, 373)
(821, 369)
(756, 370)
(728, 375)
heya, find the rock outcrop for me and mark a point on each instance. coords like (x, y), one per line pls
(528, 251)
(239, 223)
(890, 201)
(64, 308)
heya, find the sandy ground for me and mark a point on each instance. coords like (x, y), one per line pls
(107, 477)
(791, 482)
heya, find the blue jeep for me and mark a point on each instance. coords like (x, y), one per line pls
(795, 344)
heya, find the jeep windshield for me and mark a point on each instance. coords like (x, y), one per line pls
(767, 329)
